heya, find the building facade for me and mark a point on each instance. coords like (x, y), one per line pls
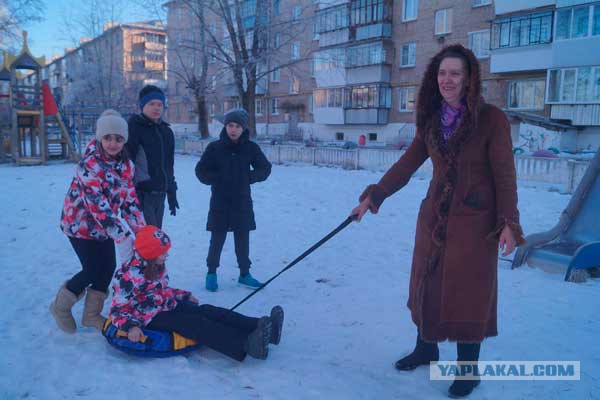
(367, 58)
(109, 70)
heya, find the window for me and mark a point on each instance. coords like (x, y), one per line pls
(310, 104)
(522, 30)
(528, 94)
(369, 11)
(563, 24)
(275, 74)
(276, 7)
(294, 85)
(339, 136)
(406, 99)
(579, 22)
(372, 137)
(408, 54)
(368, 96)
(479, 43)
(331, 59)
(332, 19)
(296, 12)
(277, 40)
(596, 22)
(213, 82)
(409, 10)
(574, 85)
(295, 51)
(479, 3)
(332, 97)
(275, 106)
(258, 106)
(369, 54)
(443, 21)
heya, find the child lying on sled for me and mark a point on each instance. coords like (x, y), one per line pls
(142, 298)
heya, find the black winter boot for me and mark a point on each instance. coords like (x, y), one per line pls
(462, 388)
(276, 324)
(258, 341)
(423, 354)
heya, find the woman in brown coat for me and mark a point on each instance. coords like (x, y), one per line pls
(469, 211)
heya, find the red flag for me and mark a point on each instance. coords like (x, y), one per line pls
(50, 107)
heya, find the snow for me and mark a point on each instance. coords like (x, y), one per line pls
(346, 320)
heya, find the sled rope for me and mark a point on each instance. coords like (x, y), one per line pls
(300, 258)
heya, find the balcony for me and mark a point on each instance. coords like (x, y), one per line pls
(328, 115)
(230, 89)
(522, 43)
(366, 116)
(510, 6)
(368, 63)
(368, 74)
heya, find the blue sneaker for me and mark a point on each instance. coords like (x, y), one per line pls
(211, 282)
(249, 281)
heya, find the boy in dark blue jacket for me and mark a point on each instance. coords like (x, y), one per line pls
(151, 146)
(230, 165)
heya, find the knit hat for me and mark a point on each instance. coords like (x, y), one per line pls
(111, 123)
(237, 115)
(151, 242)
(148, 93)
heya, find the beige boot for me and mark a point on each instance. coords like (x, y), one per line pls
(94, 301)
(61, 309)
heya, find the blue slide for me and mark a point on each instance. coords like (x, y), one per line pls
(574, 243)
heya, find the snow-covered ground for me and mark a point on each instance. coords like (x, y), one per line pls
(346, 320)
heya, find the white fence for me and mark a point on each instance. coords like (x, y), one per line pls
(559, 173)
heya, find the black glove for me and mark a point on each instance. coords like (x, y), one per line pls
(172, 200)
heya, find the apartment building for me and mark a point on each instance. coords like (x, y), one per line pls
(368, 56)
(283, 104)
(109, 70)
(547, 52)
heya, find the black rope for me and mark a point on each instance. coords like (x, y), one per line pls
(300, 258)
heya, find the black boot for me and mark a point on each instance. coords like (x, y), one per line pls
(462, 388)
(423, 354)
(258, 341)
(276, 324)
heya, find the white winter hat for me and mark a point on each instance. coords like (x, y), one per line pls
(111, 123)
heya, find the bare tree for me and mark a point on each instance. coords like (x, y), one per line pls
(256, 42)
(96, 70)
(14, 16)
(190, 56)
(244, 40)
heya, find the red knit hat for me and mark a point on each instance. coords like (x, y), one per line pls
(151, 242)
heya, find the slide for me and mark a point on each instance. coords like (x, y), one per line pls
(574, 243)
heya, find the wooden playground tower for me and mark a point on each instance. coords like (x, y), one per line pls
(28, 112)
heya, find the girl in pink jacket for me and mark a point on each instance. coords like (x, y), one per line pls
(100, 210)
(143, 298)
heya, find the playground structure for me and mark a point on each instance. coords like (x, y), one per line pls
(31, 127)
(573, 245)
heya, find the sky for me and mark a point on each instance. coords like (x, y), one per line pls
(48, 37)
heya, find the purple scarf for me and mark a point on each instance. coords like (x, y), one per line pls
(450, 118)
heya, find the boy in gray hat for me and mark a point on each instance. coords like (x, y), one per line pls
(230, 165)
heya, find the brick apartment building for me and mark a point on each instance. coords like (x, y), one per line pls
(109, 70)
(368, 57)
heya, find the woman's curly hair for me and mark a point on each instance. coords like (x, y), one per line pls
(430, 98)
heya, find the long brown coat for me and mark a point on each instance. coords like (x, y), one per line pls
(471, 198)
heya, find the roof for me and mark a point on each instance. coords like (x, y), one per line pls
(540, 120)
